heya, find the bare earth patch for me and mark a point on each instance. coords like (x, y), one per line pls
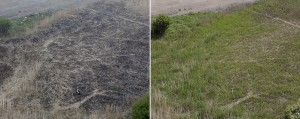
(17, 8)
(178, 7)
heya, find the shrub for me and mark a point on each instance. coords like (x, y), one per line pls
(5, 26)
(140, 109)
(293, 112)
(160, 25)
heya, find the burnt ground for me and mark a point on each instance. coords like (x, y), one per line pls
(104, 48)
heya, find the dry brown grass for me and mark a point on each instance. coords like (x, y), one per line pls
(16, 103)
(38, 113)
(21, 83)
(160, 109)
(54, 18)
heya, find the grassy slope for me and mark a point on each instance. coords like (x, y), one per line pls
(208, 60)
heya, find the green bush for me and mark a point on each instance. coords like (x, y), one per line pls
(293, 112)
(5, 26)
(140, 109)
(160, 25)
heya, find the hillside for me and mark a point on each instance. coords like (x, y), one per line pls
(89, 63)
(242, 62)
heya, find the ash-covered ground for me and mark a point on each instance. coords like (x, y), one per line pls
(96, 57)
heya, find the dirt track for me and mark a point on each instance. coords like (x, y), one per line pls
(15, 8)
(178, 7)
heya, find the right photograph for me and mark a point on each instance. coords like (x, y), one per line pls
(225, 59)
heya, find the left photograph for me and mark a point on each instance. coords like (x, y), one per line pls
(74, 59)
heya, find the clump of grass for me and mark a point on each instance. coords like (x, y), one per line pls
(293, 111)
(23, 25)
(140, 109)
(5, 26)
(160, 25)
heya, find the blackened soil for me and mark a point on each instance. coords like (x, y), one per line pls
(104, 46)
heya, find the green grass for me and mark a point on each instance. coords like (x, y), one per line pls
(208, 60)
(5, 26)
(140, 108)
(22, 24)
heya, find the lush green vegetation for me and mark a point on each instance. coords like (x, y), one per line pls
(239, 63)
(140, 109)
(5, 26)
